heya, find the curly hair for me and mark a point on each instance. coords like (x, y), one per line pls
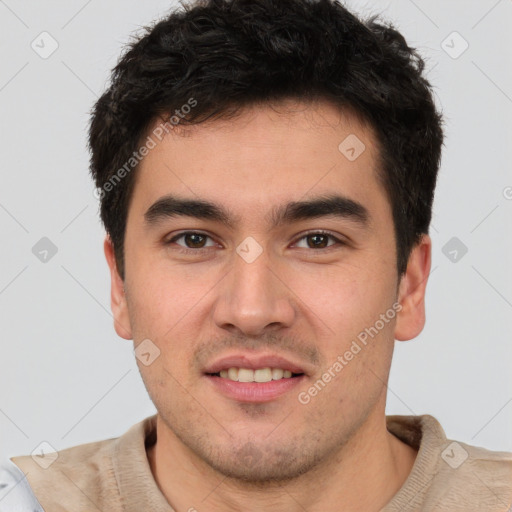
(224, 55)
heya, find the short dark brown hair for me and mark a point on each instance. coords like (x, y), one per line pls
(223, 55)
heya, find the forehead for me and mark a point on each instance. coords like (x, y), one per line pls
(264, 157)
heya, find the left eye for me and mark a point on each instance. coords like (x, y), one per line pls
(192, 240)
(318, 240)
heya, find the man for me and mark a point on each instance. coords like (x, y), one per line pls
(266, 172)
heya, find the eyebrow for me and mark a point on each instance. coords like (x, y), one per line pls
(333, 205)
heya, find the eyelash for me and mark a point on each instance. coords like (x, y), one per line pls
(188, 250)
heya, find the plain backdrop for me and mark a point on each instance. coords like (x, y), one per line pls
(67, 378)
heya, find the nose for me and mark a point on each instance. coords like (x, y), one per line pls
(253, 298)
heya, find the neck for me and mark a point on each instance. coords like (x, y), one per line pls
(363, 475)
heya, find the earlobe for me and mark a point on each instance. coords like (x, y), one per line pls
(411, 294)
(117, 294)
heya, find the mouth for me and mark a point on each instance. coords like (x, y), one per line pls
(260, 375)
(244, 378)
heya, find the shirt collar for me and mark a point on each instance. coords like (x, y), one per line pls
(137, 486)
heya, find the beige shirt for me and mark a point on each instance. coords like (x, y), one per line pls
(114, 475)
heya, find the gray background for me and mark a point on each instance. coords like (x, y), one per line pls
(66, 378)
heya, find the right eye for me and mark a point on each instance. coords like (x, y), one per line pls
(191, 241)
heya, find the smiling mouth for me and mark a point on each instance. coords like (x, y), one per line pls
(260, 375)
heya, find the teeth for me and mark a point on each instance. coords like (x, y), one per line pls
(245, 375)
(263, 375)
(277, 373)
(260, 375)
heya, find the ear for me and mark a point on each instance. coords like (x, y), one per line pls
(411, 294)
(117, 295)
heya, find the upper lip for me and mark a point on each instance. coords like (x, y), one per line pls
(254, 362)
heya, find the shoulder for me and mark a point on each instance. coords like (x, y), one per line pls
(60, 475)
(74, 477)
(50, 462)
(15, 491)
(474, 476)
(450, 475)
(493, 467)
(86, 463)
(461, 460)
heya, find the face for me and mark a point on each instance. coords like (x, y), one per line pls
(285, 262)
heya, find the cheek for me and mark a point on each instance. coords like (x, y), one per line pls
(163, 307)
(163, 298)
(348, 298)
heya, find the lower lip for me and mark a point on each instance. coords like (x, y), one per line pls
(254, 391)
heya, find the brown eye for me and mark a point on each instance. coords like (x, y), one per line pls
(315, 241)
(191, 240)
(318, 240)
(194, 240)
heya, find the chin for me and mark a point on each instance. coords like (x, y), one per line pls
(256, 465)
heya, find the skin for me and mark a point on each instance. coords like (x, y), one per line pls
(296, 300)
